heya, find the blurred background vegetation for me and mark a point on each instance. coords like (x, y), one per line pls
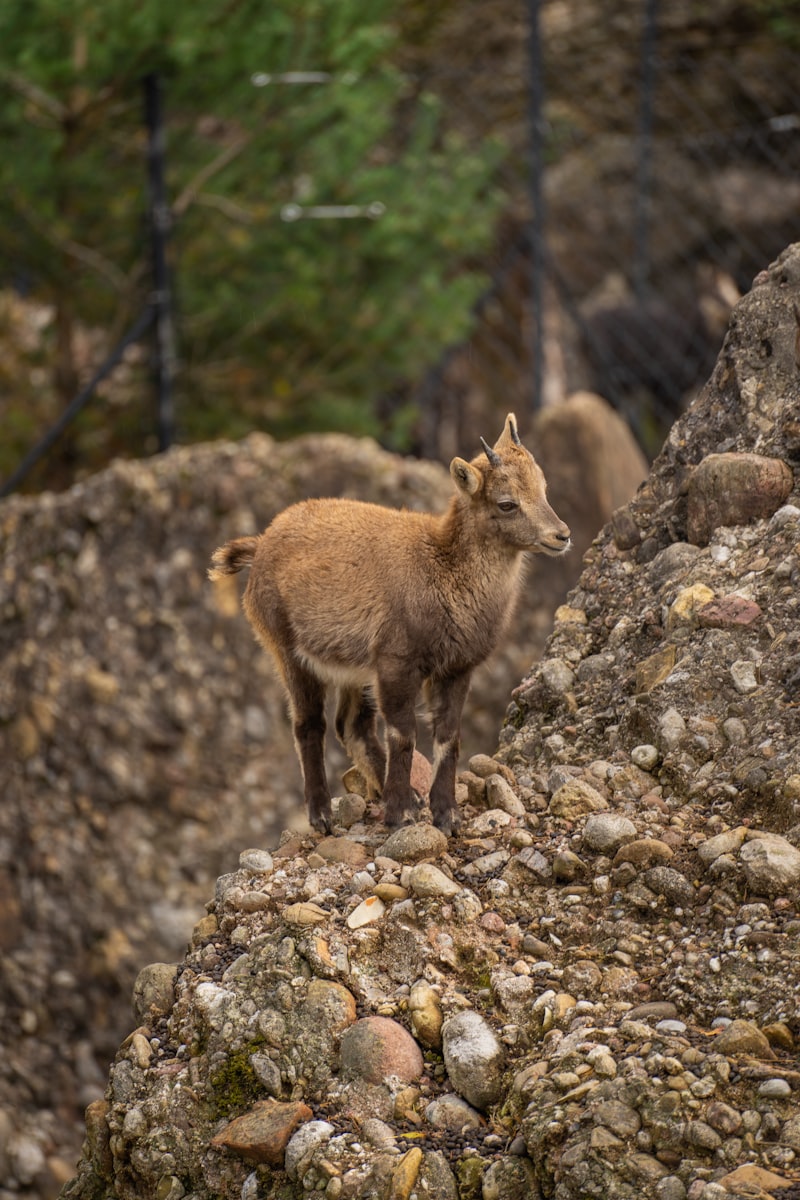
(344, 323)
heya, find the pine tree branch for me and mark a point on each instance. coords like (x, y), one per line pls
(191, 192)
(85, 254)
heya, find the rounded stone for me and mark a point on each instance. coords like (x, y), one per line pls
(342, 850)
(378, 1050)
(775, 1089)
(582, 978)
(413, 842)
(645, 757)
(154, 991)
(723, 843)
(644, 852)
(328, 1005)
(425, 1009)
(425, 879)
(723, 1118)
(257, 861)
(567, 866)
(742, 1037)
(576, 798)
(474, 1058)
(351, 809)
(606, 832)
(451, 1112)
(509, 1178)
(404, 1175)
(557, 676)
(500, 794)
(743, 674)
(303, 1144)
(671, 729)
(620, 1118)
(771, 865)
(733, 488)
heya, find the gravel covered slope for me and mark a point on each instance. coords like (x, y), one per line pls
(594, 990)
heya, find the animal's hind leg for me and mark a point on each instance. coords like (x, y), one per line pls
(307, 701)
(356, 729)
(447, 698)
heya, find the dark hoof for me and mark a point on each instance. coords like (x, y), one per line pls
(398, 822)
(449, 823)
(322, 823)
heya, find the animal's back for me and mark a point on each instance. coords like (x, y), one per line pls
(346, 579)
(331, 571)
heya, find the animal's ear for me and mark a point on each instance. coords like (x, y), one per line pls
(466, 477)
(510, 434)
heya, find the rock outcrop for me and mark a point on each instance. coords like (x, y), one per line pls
(596, 991)
(143, 737)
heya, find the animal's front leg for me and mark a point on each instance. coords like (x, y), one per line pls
(397, 692)
(447, 698)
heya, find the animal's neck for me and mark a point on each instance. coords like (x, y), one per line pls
(470, 556)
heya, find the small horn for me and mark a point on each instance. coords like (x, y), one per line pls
(493, 458)
(512, 429)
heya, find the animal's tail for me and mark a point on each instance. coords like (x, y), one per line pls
(231, 557)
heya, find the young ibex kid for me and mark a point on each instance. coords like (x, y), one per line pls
(379, 602)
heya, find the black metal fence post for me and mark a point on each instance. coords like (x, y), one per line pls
(160, 222)
(644, 154)
(537, 236)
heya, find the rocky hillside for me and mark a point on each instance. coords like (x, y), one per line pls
(593, 992)
(143, 737)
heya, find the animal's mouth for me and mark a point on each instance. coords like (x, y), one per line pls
(555, 547)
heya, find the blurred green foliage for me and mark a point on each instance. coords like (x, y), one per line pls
(283, 325)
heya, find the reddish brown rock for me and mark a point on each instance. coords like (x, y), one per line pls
(734, 489)
(644, 852)
(421, 774)
(262, 1134)
(377, 1048)
(342, 850)
(729, 612)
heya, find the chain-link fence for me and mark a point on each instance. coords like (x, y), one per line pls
(670, 175)
(653, 170)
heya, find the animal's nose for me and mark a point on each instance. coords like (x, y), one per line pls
(564, 535)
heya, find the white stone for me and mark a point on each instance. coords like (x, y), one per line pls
(474, 1058)
(451, 1112)
(788, 512)
(671, 729)
(500, 794)
(775, 1089)
(258, 861)
(302, 1145)
(488, 823)
(724, 843)
(771, 864)
(212, 1002)
(557, 676)
(427, 880)
(371, 909)
(645, 757)
(743, 674)
(606, 832)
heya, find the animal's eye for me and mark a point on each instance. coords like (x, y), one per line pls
(507, 506)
